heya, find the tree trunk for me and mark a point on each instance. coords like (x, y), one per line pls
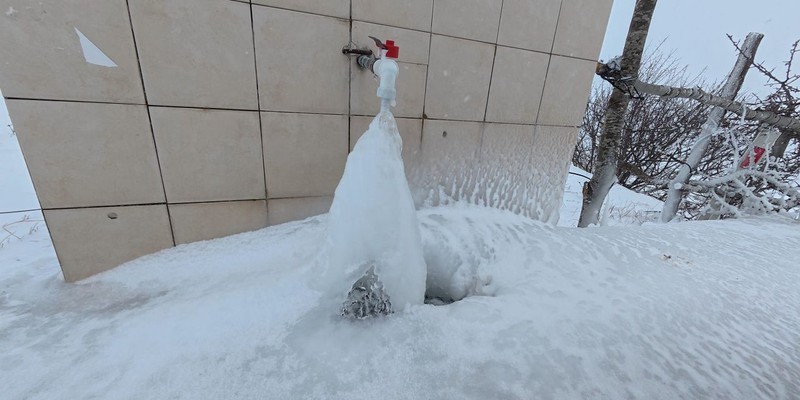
(605, 169)
(729, 91)
(779, 148)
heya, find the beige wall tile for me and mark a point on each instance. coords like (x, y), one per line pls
(529, 24)
(566, 91)
(83, 154)
(468, 19)
(508, 146)
(42, 57)
(410, 132)
(458, 79)
(447, 141)
(552, 155)
(517, 83)
(301, 70)
(581, 28)
(92, 240)
(448, 159)
(413, 14)
(196, 53)
(552, 151)
(335, 8)
(304, 154)
(505, 172)
(209, 155)
(410, 91)
(414, 45)
(293, 209)
(204, 221)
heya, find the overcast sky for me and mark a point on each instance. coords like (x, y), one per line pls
(696, 30)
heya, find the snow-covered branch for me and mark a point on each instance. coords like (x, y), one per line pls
(734, 192)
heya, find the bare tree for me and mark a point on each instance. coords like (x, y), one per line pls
(729, 91)
(769, 186)
(722, 179)
(656, 133)
(604, 173)
(631, 85)
(784, 98)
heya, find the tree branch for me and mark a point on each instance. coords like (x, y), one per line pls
(733, 106)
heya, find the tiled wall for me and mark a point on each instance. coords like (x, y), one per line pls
(223, 116)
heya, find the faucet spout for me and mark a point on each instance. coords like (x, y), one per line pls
(387, 69)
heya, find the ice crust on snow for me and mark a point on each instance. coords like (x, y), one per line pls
(373, 221)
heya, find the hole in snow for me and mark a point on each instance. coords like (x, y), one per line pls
(441, 292)
(435, 301)
(92, 54)
(452, 276)
(453, 256)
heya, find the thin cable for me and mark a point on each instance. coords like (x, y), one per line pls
(19, 211)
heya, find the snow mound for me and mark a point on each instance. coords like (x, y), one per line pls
(677, 311)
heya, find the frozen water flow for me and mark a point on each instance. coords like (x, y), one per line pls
(373, 221)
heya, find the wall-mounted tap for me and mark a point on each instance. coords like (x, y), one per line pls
(384, 67)
(366, 57)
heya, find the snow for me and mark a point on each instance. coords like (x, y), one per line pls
(690, 310)
(622, 206)
(373, 221)
(16, 189)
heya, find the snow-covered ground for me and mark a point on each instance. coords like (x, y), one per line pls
(622, 207)
(689, 310)
(17, 196)
(685, 310)
(16, 189)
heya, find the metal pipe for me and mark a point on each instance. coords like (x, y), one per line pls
(366, 62)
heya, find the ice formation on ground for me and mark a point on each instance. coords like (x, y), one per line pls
(677, 311)
(373, 222)
(367, 298)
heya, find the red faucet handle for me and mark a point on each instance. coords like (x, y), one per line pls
(392, 51)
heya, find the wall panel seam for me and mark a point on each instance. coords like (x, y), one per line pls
(149, 118)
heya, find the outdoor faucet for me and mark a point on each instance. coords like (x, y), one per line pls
(385, 68)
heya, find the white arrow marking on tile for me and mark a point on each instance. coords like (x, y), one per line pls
(92, 53)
